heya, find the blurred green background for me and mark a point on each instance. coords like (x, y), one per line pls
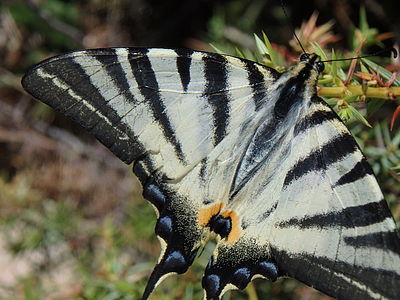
(73, 224)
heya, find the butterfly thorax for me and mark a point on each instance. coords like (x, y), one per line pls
(288, 103)
(297, 84)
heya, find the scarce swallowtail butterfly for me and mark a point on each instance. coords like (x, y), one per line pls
(230, 148)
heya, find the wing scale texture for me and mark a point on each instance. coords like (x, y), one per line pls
(225, 146)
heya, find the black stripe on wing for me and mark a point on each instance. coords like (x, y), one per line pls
(360, 170)
(79, 99)
(338, 279)
(257, 83)
(183, 63)
(316, 118)
(320, 159)
(388, 240)
(348, 217)
(216, 92)
(291, 93)
(148, 87)
(114, 69)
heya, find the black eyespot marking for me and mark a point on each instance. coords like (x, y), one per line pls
(175, 262)
(211, 284)
(241, 277)
(221, 225)
(231, 268)
(164, 228)
(268, 269)
(152, 193)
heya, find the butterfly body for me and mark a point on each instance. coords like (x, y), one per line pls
(229, 148)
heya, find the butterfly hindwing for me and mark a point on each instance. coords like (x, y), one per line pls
(345, 234)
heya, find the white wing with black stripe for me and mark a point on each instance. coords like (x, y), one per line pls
(224, 145)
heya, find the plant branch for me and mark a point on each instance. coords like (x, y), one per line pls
(386, 93)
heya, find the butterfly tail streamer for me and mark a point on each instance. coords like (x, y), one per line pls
(159, 273)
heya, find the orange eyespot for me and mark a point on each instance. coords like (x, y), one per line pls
(234, 234)
(205, 214)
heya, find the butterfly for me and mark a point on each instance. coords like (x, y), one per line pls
(230, 149)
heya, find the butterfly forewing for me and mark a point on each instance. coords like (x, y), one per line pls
(228, 146)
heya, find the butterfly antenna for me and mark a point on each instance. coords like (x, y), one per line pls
(291, 26)
(392, 50)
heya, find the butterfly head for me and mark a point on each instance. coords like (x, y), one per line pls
(313, 60)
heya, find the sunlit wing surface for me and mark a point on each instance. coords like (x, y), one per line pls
(226, 146)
